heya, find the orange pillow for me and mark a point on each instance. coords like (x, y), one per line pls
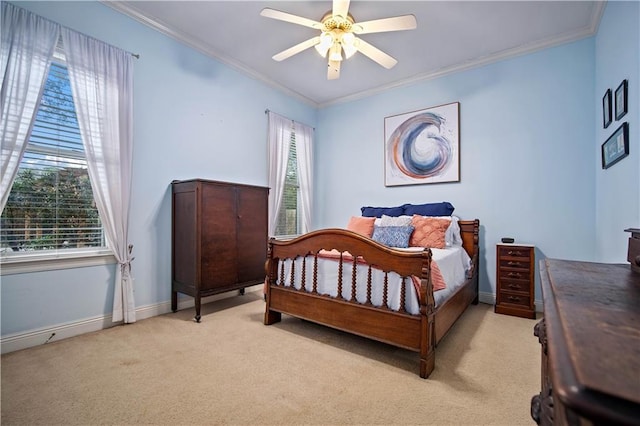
(429, 231)
(361, 225)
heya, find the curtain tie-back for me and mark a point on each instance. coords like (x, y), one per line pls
(125, 266)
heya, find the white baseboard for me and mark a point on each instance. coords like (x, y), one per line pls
(28, 339)
(490, 299)
(31, 338)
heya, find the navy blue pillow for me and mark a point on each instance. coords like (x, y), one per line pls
(430, 209)
(379, 211)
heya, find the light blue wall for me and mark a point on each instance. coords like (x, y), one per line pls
(618, 188)
(530, 159)
(527, 163)
(194, 117)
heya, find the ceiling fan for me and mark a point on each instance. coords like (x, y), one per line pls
(337, 35)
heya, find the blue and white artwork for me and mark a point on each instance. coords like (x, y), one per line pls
(423, 146)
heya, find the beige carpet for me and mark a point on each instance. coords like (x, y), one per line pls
(231, 369)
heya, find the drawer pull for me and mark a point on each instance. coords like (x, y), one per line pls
(514, 274)
(514, 286)
(514, 298)
(512, 263)
(515, 253)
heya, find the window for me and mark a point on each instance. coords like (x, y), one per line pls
(51, 205)
(290, 171)
(288, 217)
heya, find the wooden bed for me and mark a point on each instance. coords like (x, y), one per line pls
(420, 332)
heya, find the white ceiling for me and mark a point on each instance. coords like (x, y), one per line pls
(451, 36)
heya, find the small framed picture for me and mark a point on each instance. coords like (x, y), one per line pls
(616, 147)
(621, 100)
(606, 109)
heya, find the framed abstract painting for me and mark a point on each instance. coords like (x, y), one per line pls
(422, 146)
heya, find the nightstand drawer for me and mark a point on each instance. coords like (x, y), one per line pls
(522, 274)
(514, 299)
(515, 263)
(515, 285)
(515, 251)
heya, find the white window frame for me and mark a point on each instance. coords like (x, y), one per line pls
(50, 260)
(39, 262)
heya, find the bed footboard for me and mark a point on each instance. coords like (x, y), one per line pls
(396, 327)
(301, 297)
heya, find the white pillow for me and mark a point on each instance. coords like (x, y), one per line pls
(452, 236)
(395, 221)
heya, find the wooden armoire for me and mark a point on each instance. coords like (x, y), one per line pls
(219, 238)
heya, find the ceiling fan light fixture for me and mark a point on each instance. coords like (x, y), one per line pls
(335, 53)
(322, 52)
(326, 41)
(349, 51)
(348, 41)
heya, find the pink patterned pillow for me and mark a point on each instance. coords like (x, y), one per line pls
(361, 225)
(429, 231)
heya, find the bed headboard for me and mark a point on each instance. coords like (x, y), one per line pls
(469, 231)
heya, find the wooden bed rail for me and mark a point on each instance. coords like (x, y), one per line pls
(417, 332)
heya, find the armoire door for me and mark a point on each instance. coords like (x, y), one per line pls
(252, 232)
(218, 236)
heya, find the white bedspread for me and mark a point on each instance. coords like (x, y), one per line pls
(453, 263)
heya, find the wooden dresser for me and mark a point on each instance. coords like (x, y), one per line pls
(219, 238)
(515, 280)
(633, 252)
(590, 338)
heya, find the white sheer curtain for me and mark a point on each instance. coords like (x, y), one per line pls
(279, 140)
(304, 150)
(28, 42)
(102, 86)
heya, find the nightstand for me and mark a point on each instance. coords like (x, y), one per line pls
(515, 269)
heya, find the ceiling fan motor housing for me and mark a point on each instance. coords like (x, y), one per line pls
(331, 22)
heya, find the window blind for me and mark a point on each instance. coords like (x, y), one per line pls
(51, 202)
(288, 214)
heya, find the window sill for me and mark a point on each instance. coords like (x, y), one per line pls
(26, 263)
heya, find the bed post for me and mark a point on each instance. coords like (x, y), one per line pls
(470, 233)
(476, 259)
(271, 269)
(427, 317)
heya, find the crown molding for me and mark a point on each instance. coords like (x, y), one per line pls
(524, 49)
(189, 41)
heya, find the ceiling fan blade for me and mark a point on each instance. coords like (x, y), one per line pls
(296, 49)
(333, 70)
(287, 17)
(398, 23)
(375, 54)
(340, 8)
